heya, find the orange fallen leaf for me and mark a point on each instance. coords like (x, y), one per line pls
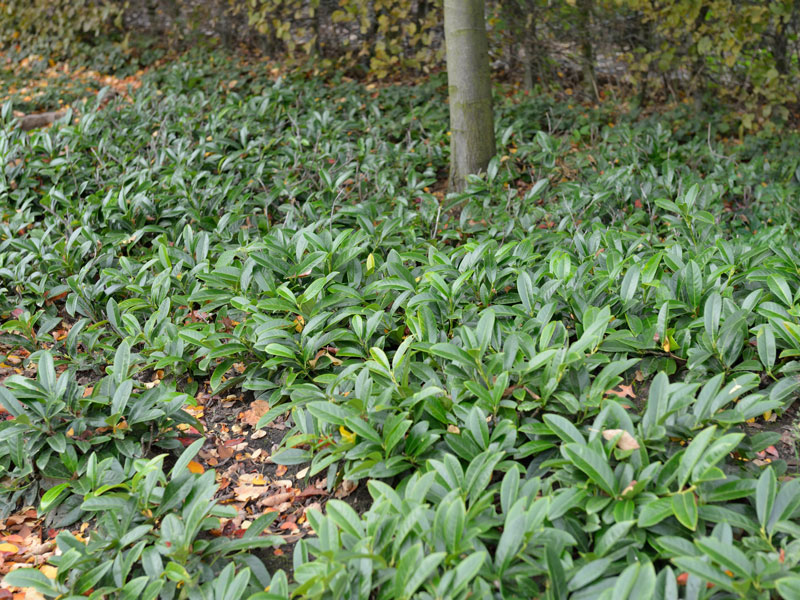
(257, 409)
(196, 467)
(281, 470)
(625, 391)
(14, 539)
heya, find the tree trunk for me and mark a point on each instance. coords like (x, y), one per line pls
(472, 142)
(587, 51)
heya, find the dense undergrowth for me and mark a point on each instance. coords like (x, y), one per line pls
(290, 238)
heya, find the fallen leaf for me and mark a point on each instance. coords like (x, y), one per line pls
(625, 391)
(32, 594)
(626, 440)
(281, 470)
(10, 548)
(258, 434)
(252, 479)
(453, 429)
(312, 491)
(276, 499)
(787, 438)
(196, 467)
(245, 493)
(49, 571)
(302, 473)
(224, 452)
(346, 488)
(14, 539)
(258, 409)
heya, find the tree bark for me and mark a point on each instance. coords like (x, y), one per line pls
(587, 50)
(472, 143)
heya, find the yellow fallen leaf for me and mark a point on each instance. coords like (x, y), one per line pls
(49, 571)
(625, 442)
(196, 467)
(7, 547)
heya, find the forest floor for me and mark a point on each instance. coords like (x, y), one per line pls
(250, 346)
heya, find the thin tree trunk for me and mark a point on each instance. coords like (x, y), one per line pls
(472, 143)
(587, 51)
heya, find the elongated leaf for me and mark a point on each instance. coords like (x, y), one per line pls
(765, 495)
(684, 507)
(594, 465)
(692, 454)
(454, 353)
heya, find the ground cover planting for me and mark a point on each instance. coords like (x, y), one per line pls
(251, 348)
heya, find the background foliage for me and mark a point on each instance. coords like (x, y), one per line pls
(735, 51)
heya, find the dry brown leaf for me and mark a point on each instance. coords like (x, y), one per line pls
(625, 391)
(312, 491)
(258, 409)
(346, 488)
(787, 438)
(245, 493)
(276, 499)
(626, 440)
